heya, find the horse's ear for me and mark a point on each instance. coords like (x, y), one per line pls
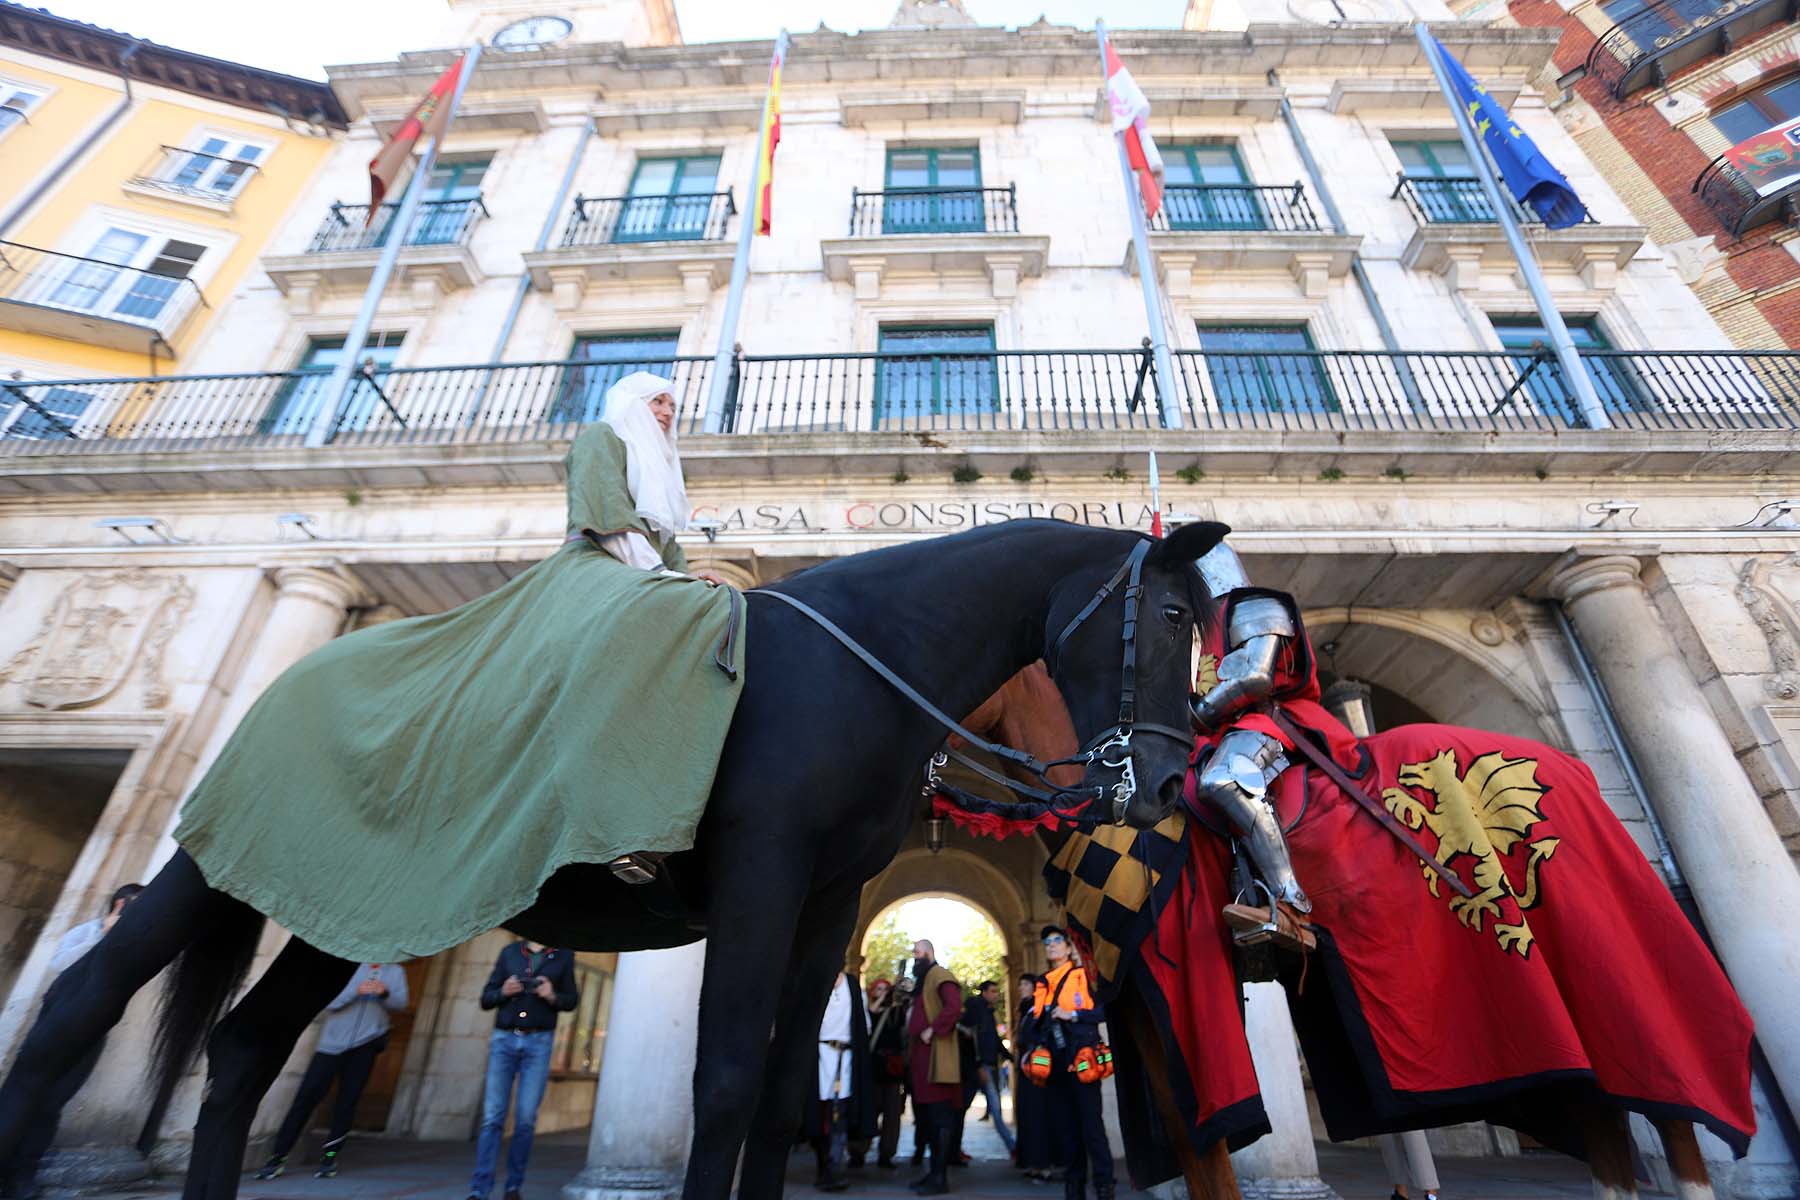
(1188, 542)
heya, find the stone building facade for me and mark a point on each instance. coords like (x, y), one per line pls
(943, 330)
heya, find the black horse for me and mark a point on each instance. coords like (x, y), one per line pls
(818, 781)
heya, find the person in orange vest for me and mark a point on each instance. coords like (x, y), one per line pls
(1068, 1018)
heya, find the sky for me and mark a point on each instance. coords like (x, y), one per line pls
(301, 39)
(938, 919)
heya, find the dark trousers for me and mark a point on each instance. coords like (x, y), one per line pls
(890, 1099)
(937, 1131)
(351, 1070)
(1079, 1128)
(35, 1143)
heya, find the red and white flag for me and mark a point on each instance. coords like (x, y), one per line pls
(429, 117)
(1130, 110)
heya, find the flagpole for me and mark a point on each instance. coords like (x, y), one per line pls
(1586, 399)
(337, 391)
(1140, 240)
(717, 398)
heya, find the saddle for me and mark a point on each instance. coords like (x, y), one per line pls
(1285, 928)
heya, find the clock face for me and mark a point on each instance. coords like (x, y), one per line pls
(533, 32)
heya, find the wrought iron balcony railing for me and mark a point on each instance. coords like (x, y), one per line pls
(1332, 390)
(438, 223)
(1224, 206)
(1738, 204)
(94, 288)
(195, 174)
(1663, 36)
(934, 210)
(602, 220)
(1436, 201)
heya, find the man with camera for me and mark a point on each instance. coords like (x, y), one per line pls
(530, 984)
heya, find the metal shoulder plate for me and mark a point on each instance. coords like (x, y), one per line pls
(1222, 570)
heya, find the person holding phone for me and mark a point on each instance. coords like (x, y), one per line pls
(531, 983)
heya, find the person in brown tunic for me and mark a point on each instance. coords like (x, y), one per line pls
(934, 1064)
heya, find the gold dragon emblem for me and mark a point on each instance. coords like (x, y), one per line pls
(1483, 814)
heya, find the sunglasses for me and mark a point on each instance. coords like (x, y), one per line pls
(1054, 939)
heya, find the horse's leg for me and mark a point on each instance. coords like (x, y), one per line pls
(747, 938)
(245, 1055)
(1692, 1180)
(1608, 1139)
(89, 998)
(1209, 1176)
(818, 955)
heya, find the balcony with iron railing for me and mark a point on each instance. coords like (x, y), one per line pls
(210, 179)
(342, 255)
(1740, 204)
(90, 300)
(347, 227)
(941, 231)
(1256, 391)
(1434, 200)
(1235, 206)
(1664, 36)
(1457, 235)
(612, 220)
(934, 210)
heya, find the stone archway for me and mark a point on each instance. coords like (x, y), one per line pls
(978, 880)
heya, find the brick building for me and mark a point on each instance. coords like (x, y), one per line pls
(1655, 91)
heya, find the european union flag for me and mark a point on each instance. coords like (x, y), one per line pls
(1528, 174)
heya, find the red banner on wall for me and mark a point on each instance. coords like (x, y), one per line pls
(1771, 159)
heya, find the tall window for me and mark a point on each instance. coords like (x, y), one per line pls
(668, 199)
(1524, 336)
(582, 395)
(1265, 368)
(48, 414)
(581, 1037)
(15, 101)
(220, 166)
(296, 405)
(449, 201)
(128, 275)
(1760, 110)
(937, 371)
(925, 191)
(1206, 189)
(1444, 181)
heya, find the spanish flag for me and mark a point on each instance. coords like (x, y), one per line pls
(771, 137)
(431, 115)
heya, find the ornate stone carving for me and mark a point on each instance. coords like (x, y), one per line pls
(1487, 630)
(1770, 593)
(96, 633)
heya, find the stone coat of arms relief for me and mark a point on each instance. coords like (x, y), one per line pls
(101, 629)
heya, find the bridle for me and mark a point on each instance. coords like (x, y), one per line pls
(1111, 747)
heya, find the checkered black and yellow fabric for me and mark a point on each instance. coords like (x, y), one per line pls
(1112, 881)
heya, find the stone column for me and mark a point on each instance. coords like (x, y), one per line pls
(1283, 1165)
(1742, 878)
(644, 1105)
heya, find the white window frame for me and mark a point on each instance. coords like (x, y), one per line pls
(10, 90)
(236, 142)
(80, 240)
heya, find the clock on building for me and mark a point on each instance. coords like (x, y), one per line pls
(533, 32)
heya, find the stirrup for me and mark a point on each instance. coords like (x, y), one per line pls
(1277, 923)
(636, 869)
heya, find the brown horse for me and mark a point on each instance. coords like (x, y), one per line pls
(1027, 713)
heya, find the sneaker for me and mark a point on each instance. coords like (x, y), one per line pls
(273, 1168)
(328, 1166)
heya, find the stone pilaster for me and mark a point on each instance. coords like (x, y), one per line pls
(1283, 1165)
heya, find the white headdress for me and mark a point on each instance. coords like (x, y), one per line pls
(652, 463)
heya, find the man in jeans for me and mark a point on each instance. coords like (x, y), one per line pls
(979, 1016)
(531, 983)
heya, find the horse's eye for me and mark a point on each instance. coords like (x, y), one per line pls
(1174, 614)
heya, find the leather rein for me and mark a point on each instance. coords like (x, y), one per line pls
(1114, 740)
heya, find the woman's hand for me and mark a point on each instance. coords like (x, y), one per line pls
(1063, 1014)
(713, 578)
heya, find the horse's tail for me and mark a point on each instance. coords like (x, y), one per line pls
(200, 983)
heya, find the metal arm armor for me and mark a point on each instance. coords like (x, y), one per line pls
(1259, 626)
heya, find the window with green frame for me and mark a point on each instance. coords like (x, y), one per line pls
(1444, 181)
(450, 193)
(668, 199)
(296, 404)
(1208, 189)
(915, 200)
(581, 398)
(1251, 372)
(1613, 382)
(936, 371)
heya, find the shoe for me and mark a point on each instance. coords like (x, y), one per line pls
(887, 1164)
(328, 1166)
(511, 1194)
(273, 1168)
(960, 1159)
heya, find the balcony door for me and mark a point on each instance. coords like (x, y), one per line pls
(1444, 181)
(1265, 368)
(1207, 190)
(669, 199)
(943, 371)
(1613, 383)
(924, 191)
(127, 275)
(296, 405)
(581, 397)
(451, 196)
(218, 168)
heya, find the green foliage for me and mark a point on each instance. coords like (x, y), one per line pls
(1023, 474)
(887, 948)
(1397, 473)
(979, 954)
(965, 474)
(1331, 474)
(353, 497)
(901, 476)
(1541, 474)
(1190, 473)
(1118, 473)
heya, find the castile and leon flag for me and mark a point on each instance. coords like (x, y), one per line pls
(429, 117)
(1130, 113)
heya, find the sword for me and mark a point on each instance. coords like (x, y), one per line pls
(1388, 820)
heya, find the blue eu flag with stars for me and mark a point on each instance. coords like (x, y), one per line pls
(1528, 174)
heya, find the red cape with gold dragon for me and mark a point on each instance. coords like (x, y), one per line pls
(1571, 973)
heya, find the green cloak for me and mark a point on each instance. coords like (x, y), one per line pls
(406, 787)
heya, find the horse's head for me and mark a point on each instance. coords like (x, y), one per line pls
(1120, 648)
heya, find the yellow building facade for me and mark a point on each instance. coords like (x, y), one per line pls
(138, 187)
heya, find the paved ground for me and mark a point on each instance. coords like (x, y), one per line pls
(376, 1169)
